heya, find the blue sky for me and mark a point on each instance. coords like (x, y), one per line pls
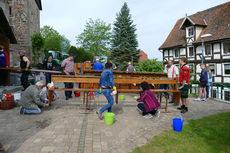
(154, 19)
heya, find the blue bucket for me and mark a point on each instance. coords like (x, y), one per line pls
(178, 124)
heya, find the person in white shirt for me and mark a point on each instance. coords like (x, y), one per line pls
(173, 72)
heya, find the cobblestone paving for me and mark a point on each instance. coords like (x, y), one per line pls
(66, 128)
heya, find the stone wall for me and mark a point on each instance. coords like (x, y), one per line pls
(25, 21)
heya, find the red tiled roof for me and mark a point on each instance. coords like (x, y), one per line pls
(143, 56)
(218, 24)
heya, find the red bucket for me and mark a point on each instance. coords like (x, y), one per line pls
(77, 94)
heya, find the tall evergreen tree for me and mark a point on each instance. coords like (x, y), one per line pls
(124, 40)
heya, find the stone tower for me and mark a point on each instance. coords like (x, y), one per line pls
(24, 18)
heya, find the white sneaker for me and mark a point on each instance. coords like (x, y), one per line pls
(204, 99)
(197, 99)
(148, 116)
(157, 113)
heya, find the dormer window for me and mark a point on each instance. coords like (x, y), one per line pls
(190, 31)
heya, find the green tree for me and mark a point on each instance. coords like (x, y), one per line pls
(37, 44)
(80, 54)
(152, 65)
(53, 40)
(124, 39)
(95, 38)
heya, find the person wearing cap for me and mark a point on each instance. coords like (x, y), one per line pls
(130, 68)
(68, 65)
(30, 99)
(4, 63)
(97, 65)
(24, 64)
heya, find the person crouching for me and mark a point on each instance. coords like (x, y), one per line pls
(30, 99)
(150, 105)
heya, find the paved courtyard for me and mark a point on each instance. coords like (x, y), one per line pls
(65, 127)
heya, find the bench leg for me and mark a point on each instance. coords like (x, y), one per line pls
(86, 104)
(176, 97)
(166, 105)
(116, 98)
(83, 97)
(50, 97)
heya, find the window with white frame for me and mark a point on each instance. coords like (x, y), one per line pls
(166, 53)
(176, 53)
(190, 31)
(227, 69)
(212, 68)
(190, 51)
(226, 47)
(208, 49)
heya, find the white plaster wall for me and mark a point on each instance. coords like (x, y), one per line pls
(170, 52)
(226, 57)
(198, 57)
(198, 69)
(207, 58)
(199, 49)
(217, 79)
(226, 79)
(182, 51)
(216, 48)
(216, 56)
(198, 31)
(218, 69)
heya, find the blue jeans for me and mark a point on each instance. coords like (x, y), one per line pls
(48, 78)
(109, 97)
(141, 106)
(207, 91)
(29, 111)
(70, 86)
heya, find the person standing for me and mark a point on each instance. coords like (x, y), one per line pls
(203, 83)
(106, 83)
(24, 64)
(184, 84)
(97, 65)
(68, 65)
(209, 83)
(172, 73)
(30, 99)
(130, 67)
(4, 63)
(49, 64)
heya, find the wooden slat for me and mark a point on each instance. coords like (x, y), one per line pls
(116, 80)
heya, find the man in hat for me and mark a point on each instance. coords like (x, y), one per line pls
(24, 64)
(130, 68)
(68, 65)
(4, 63)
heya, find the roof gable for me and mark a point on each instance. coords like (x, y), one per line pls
(216, 21)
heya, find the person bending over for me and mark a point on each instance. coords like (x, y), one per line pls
(30, 99)
(150, 105)
(106, 83)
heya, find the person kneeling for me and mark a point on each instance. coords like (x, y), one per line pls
(150, 105)
(30, 99)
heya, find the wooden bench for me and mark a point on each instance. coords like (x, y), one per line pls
(122, 84)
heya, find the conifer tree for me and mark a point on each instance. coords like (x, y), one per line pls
(124, 40)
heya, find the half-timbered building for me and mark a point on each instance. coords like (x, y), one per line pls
(185, 40)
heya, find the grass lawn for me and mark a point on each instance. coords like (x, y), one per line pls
(207, 135)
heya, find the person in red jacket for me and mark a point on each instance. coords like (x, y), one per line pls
(184, 84)
(4, 63)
